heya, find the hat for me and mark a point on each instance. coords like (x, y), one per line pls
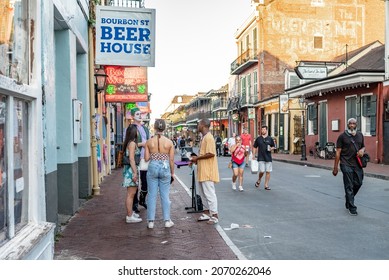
(134, 110)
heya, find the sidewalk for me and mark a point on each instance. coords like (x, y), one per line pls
(379, 171)
(98, 231)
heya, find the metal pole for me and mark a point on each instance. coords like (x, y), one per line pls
(303, 146)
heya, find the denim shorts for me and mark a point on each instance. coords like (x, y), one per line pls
(235, 165)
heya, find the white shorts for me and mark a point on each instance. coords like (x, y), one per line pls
(265, 166)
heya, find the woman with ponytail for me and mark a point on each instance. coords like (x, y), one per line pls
(160, 152)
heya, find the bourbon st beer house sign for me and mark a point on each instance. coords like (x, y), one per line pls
(125, 36)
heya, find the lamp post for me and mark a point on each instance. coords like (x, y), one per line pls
(100, 80)
(303, 145)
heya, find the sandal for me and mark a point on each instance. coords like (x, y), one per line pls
(257, 183)
(267, 188)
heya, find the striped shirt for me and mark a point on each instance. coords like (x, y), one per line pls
(207, 169)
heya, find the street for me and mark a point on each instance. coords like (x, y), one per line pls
(303, 217)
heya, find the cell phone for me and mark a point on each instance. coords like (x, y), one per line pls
(171, 179)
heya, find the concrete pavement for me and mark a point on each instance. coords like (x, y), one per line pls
(98, 230)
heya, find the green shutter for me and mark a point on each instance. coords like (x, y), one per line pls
(359, 113)
(373, 115)
(315, 119)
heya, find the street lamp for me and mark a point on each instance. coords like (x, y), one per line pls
(303, 146)
(100, 80)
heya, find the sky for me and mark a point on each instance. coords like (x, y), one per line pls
(195, 46)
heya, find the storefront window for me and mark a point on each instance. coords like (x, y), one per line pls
(14, 39)
(20, 164)
(18, 188)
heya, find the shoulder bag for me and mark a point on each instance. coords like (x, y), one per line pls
(362, 161)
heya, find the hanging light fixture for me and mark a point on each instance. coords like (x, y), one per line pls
(100, 78)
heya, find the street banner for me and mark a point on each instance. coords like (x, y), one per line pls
(126, 84)
(125, 36)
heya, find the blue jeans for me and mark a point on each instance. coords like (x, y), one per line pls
(158, 179)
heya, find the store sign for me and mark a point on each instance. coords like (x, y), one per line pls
(311, 72)
(126, 84)
(125, 36)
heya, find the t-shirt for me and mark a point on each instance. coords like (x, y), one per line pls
(261, 143)
(348, 153)
(246, 139)
(218, 140)
(207, 169)
(182, 143)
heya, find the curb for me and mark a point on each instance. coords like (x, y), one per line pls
(303, 163)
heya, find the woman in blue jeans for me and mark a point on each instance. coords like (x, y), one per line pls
(160, 152)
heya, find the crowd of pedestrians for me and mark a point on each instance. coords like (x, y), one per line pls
(156, 154)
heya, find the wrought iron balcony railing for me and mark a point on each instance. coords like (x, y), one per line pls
(198, 116)
(126, 3)
(245, 60)
(219, 104)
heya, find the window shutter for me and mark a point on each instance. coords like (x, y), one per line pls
(314, 119)
(373, 115)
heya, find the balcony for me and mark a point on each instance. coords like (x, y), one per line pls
(126, 3)
(195, 117)
(219, 104)
(248, 100)
(244, 61)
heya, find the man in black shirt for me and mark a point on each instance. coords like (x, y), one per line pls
(218, 142)
(264, 144)
(349, 146)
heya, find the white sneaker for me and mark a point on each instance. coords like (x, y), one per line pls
(132, 219)
(240, 188)
(234, 186)
(169, 224)
(135, 215)
(150, 224)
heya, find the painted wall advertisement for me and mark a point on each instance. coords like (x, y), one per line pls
(126, 84)
(125, 36)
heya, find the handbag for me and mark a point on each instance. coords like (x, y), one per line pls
(143, 165)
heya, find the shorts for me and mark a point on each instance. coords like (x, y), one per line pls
(235, 165)
(265, 166)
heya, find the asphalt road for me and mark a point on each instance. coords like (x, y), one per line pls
(303, 217)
